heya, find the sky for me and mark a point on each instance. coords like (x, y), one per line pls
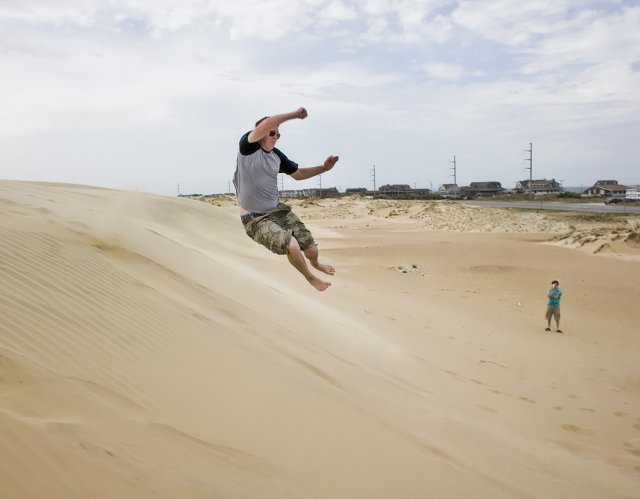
(153, 95)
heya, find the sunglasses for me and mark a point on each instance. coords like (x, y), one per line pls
(275, 134)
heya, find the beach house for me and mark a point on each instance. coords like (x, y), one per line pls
(607, 189)
(482, 189)
(449, 190)
(539, 187)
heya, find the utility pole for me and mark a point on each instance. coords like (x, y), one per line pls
(530, 167)
(373, 177)
(454, 170)
(178, 189)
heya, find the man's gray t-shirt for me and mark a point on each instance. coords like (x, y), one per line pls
(256, 176)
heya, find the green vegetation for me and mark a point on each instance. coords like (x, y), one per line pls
(565, 197)
(570, 195)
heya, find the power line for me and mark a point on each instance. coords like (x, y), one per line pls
(530, 167)
(454, 170)
(373, 176)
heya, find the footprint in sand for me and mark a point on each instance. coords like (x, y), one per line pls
(633, 446)
(488, 409)
(482, 361)
(575, 429)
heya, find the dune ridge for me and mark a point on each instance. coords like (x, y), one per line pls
(149, 349)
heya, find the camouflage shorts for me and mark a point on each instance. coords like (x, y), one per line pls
(275, 229)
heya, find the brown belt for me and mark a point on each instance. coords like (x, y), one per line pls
(246, 220)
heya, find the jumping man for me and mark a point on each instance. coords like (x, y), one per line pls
(267, 220)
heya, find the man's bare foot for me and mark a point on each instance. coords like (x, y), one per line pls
(327, 269)
(319, 284)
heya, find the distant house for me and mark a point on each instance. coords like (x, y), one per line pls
(395, 189)
(420, 192)
(483, 189)
(449, 190)
(606, 188)
(400, 191)
(539, 187)
(329, 192)
(356, 190)
(633, 193)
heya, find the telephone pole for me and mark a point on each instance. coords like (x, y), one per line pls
(373, 177)
(455, 182)
(530, 167)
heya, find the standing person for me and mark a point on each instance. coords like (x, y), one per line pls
(553, 308)
(266, 220)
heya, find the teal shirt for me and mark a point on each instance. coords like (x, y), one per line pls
(554, 297)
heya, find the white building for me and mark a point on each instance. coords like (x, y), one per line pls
(633, 193)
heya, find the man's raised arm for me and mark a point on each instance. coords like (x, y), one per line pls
(312, 171)
(272, 122)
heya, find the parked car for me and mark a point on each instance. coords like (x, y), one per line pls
(620, 200)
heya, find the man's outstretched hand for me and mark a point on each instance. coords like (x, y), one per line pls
(330, 162)
(301, 113)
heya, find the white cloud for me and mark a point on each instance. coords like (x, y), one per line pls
(150, 93)
(590, 38)
(439, 29)
(79, 82)
(63, 12)
(443, 71)
(336, 11)
(510, 23)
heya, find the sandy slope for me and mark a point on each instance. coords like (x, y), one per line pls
(149, 349)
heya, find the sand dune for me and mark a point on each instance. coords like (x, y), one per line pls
(148, 348)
